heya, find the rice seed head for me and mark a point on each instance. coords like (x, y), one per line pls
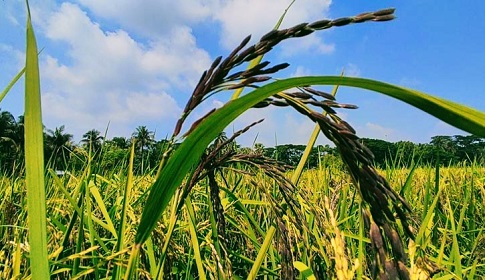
(403, 271)
(197, 122)
(383, 276)
(391, 270)
(262, 104)
(271, 35)
(364, 17)
(216, 62)
(342, 21)
(303, 32)
(376, 236)
(299, 94)
(273, 69)
(321, 24)
(384, 18)
(296, 28)
(279, 103)
(385, 12)
(396, 245)
(243, 43)
(249, 81)
(319, 93)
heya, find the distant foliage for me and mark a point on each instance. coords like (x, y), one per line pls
(63, 154)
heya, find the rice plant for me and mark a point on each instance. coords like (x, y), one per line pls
(215, 211)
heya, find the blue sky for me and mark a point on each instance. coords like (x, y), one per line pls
(127, 64)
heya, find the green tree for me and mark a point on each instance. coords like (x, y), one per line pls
(444, 149)
(121, 142)
(115, 156)
(289, 153)
(468, 147)
(59, 146)
(10, 147)
(144, 139)
(93, 141)
(383, 151)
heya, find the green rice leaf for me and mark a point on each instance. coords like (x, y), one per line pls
(262, 252)
(34, 160)
(305, 271)
(193, 237)
(102, 207)
(189, 152)
(120, 244)
(11, 84)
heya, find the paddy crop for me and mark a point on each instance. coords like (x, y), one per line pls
(212, 210)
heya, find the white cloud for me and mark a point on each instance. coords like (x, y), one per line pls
(309, 44)
(442, 128)
(301, 72)
(240, 18)
(352, 70)
(122, 62)
(11, 58)
(111, 77)
(280, 126)
(376, 131)
(151, 18)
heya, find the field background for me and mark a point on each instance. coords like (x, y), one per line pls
(84, 215)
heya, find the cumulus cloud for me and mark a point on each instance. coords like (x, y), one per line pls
(151, 18)
(378, 131)
(237, 18)
(128, 63)
(109, 76)
(240, 18)
(9, 53)
(309, 44)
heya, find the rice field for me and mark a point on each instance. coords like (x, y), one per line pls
(212, 211)
(324, 237)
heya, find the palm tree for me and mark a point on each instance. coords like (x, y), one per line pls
(7, 123)
(93, 140)
(121, 142)
(11, 145)
(144, 140)
(59, 144)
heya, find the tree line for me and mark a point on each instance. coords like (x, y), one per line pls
(61, 153)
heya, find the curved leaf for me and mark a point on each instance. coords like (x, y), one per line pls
(189, 152)
(305, 271)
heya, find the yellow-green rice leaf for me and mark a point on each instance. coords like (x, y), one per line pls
(11, 84)
(262, 252)
(34, 160)
(305, 271)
